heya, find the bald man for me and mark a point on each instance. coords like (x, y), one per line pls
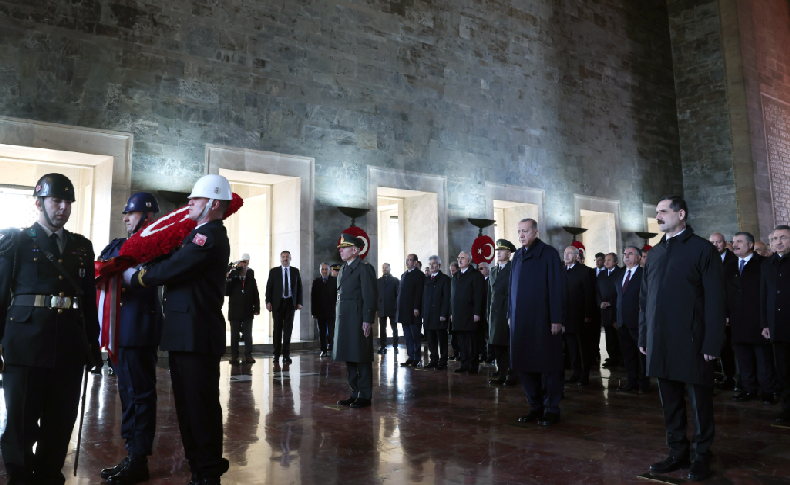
(762, 249)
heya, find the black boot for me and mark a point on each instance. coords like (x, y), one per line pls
(196, 479)
(108, 472)
(135, 471)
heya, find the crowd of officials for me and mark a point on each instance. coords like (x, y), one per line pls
(679, 312)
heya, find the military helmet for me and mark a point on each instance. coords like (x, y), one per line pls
(142, 202)
(55, 185)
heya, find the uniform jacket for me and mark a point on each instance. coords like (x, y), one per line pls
(323, 298)
(499, 289)
(607, 293)
(140, 323)
(388, 287)
(194, 276)
(580, 299)
(356, 303)
(537, 299)
(40, 336)
(774, 291)
(743, 300)
(681, 309)
(410, 297)
(244, 301)
(628, 302)
(274, 286)
(467, 299)
(436, 302)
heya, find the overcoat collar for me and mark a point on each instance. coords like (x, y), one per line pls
(682, 237)
(535, 250)
(347, 269)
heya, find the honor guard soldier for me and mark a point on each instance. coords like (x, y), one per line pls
(139, 332)
(194, 327)
(48, 305)
(356, 309)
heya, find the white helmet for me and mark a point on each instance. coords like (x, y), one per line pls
(212, 186)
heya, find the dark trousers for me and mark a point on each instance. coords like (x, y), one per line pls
(635, 361)
(543, 398)
(196, 394)
(283, 327)
(728, 365)
(383, 332)
(578, 353)
(326, 332)
(673, 401)
(136, 371)
(756, 363)
(244, 326)
(360, 378)
(437, 344)
(469, 356)
(482, 338)
(413, 340)
(612, 343)
(455, 345)
(502, 356)
(33, 394)
(782, 359)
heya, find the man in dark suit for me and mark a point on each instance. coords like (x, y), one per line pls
(607, 302)
(729, 365)
(244, 304)
(323, 299)
(681, 330)
(627, 323)
(436, 312)
(46, 345)
(753, 351)
(467, 305)
(579, 307)
(499, 327)
(408, 309)
(482, 329)
(139, 332)
(388, 286)
(283, 299)
(194, 328)
(774, 281)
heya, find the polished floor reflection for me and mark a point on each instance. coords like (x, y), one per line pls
(426, 426)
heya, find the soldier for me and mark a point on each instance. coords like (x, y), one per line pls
(46, 332)
(335, 269)
(356, 308)
(194, 328)
(139, 332)
(499, 328)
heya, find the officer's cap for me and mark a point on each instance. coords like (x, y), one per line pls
(347, 241)
(335, 267)
(505, 244)
(54, 185)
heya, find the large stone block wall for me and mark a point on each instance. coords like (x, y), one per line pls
(572, 96)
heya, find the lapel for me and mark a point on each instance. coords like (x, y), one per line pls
(346, 270)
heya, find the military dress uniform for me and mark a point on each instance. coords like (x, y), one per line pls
(356, 303)
(46, 344)
(499, 328)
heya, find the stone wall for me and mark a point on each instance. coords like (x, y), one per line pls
(572, 96)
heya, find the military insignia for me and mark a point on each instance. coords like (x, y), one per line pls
(32, 232)
(216, 190)
(38, 188)
(82, 272)
(199, 239)
(148, 204)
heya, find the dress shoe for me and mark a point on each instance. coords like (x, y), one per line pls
(96, 370)
(108, 472)
(737, 388)
(768, 398)
(441, 366)
(495, 374)
(324, 353)
(744, 396)
(671, 464)
(360, 403)
(572, 380)
(784, 417)
(135, 471)
(497, 382)
(549, 418)
(700, 470)
(460, 370)
(627, 388)
(417, 364)
(532, 416)
(584, 381)
(346, 402)
(432, 365)
(276, 358)
(724, 384)
(510, 382)
(250, 360)
(196, 479)
(286, 360)
(380, 351)
(384, 350)
(110, 371)
(407, 363)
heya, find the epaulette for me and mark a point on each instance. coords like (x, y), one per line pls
(8, 239)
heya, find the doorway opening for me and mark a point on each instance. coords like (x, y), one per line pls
(507, 215)
(601, 234)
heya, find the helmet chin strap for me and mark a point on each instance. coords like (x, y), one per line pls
(140, 223)
(204, 214)
(46, 216)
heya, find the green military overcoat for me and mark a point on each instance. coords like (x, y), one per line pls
(499, 288)
(356, 303)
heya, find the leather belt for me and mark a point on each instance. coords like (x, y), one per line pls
(47, 301)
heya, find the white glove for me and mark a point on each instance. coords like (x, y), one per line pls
(127, 276)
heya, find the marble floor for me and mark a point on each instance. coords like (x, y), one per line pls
(426, 426)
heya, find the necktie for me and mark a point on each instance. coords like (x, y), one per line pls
(627, 280)
(325, 280)
(740, 267)
(286, 285)
(55, 246)
(433, 276)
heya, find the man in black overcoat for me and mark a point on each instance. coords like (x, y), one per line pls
(408, 311)
(607, 302)
(467, 306)
(482, 329)
(775, 310)
(244, 303)
(498, 326)
(729, 368)
(753, 351)
(538, 285)
(388, 287)
(579, 307)
(323, 298)
(436, 312)
(681, 330)
(627, 289)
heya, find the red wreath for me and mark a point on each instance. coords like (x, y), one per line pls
(578, 245)
(647, 247)
(358, 232)
(483, 250)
